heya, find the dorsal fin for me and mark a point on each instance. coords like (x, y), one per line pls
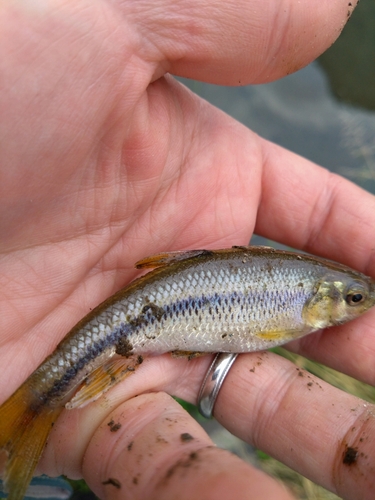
(164, 259)
(255, 248)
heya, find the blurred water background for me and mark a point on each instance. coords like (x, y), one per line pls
(324, 112)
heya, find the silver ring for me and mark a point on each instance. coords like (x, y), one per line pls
(213, 381)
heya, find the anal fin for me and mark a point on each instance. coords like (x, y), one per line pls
(102, 379)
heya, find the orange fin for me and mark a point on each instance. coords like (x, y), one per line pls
(164, 259)
(24, 428)
(102, 379)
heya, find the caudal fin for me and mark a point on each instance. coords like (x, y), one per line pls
(24, 428)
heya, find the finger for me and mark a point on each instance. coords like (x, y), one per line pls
(350, 348)
(149, 447)
(177, 375)
(315, 210)
(324, 214)
(164, 454)
(238, 42)
(323, 433)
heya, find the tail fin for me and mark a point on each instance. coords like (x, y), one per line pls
(24, 428)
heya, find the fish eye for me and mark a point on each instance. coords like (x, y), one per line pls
(354, 298)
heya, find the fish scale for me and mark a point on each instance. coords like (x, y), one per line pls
(210, 303)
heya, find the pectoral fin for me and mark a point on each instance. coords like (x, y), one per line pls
(279, 335)
(102, 379)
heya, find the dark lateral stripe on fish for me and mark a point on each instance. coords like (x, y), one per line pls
(215, 302)
(152, 314)
(186, 306)
(91, 352)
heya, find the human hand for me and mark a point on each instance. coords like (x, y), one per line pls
(101, 168)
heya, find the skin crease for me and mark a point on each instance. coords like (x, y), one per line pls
(105, 159)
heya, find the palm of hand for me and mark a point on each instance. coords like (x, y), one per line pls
(91, 187)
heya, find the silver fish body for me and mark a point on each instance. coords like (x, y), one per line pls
(238, 300)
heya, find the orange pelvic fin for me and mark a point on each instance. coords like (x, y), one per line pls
(102, 379)
(24, 428)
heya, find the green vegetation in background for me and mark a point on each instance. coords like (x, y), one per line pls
(81, 491)
(300, 486)
(350, 62)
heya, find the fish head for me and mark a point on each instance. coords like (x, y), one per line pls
(339, 297)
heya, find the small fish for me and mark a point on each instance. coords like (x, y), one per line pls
(233, 300)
